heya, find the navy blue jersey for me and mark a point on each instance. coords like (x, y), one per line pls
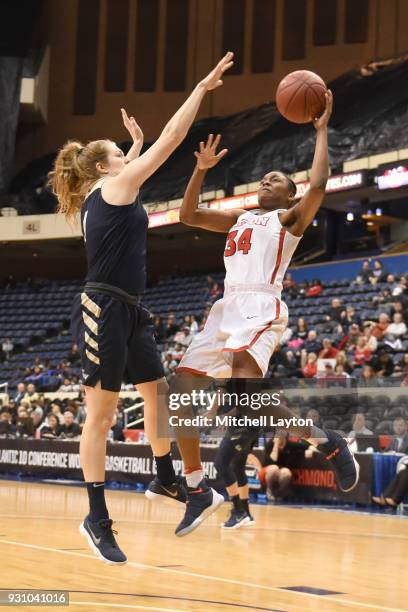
(115, 241)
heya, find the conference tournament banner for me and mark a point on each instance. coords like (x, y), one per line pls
(313, 479)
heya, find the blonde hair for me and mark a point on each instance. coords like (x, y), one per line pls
(74, 172)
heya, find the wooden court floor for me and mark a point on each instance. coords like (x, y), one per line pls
(363, 559)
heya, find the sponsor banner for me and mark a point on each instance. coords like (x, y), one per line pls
(248, 200)
(393, 176)
(167, 217)
(313, 479)
(338, 182)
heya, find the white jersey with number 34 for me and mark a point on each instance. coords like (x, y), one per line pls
(258, 250)
(250, 316)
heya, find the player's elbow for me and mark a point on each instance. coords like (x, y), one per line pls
(186, 217)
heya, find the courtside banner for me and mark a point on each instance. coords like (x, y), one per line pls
(313, 480)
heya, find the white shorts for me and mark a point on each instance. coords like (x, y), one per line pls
(248, 318)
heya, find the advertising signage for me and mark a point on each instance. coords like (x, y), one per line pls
(338, 182)
(393, 176)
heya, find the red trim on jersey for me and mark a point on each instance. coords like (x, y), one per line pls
(191, 370)
(258, 334)
(282, 235)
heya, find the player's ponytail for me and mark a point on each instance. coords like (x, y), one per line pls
(74, 172)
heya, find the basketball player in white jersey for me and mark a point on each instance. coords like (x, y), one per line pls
(245, 326)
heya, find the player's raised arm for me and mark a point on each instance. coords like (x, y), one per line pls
(124, 187)
(300, 216)
(190, 214)
(136, 133)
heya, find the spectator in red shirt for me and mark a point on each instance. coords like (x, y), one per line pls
(315, 289)
(310, 369)
(328, 351)
(362, 354)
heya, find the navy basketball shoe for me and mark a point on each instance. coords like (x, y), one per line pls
(342, 459)
(174, 493)
(237, 519)
(201, 502)
(101, 540)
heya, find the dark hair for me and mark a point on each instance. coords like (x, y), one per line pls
(291, 185)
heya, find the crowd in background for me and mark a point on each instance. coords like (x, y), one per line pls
(342, 346)
(29, 414)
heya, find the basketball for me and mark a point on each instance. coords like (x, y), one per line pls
(300, 96)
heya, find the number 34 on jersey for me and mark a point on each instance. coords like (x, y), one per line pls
(238, 241)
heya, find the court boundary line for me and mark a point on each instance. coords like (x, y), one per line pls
(145, 566)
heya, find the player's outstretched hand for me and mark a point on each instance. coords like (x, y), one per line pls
(132, 127)
(208, 157)
(323, 120)
(214, 79)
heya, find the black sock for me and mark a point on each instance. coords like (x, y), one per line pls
(97, 503)
(236, 502)
(165, 469)
(245, 505)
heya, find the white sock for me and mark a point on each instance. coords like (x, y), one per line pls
(194, 478)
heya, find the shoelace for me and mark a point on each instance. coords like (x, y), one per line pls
(106, 524)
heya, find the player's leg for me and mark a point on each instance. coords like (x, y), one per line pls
(188, 437)
(239, 465)
(223, 463)
(244, 365)
(285, 476)
(166, 486)
(202, 499)
(97, 526)
(144, 369)
(98, 324)
(271, 481)
(201, 362)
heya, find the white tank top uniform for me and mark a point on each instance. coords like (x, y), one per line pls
(251, 315)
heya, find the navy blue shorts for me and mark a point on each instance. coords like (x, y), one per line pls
(115, 338)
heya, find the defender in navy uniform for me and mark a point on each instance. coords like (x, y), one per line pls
(113, 329)
(230, 463)
(231, 458)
